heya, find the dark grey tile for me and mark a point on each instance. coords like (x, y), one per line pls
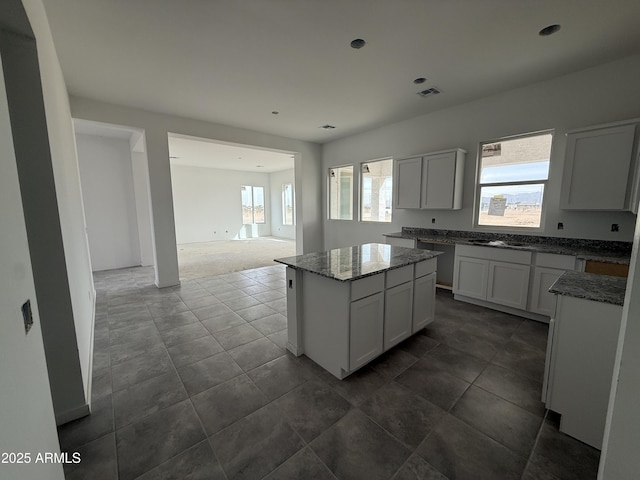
(254, 289)
(522, 358)
(536, 472)
(405, 415)
(211, 311)
(128, 311)
(512, 426)
(192, 294)
(131, 334)
(393, 363)
(564, 456)
(222, 322)
(534, 333)
(184, 334)
(357, 448)
(254, 313)
(101, 384)
(280, 338)
(461, 452)
(194, 351)
(163, 309)
(145, 398)
(231, 294)
(279, 376)
(433, 383)
(303, 465)
(238, 335)
(312, 408)
(523, 391)
(131, 350)
(97, 460)
(255, 445)
(101, 359)
(202, 302)
(256, 353)
(270, 295)
(279, 305)
(89, 428)
(457, 363)
(228, 402)
(358, 386)
(271, 324)
(416, 468)
(173, 321)
(151, 364)
(418, 345)
(214, 370)
(157, 438)
(220, 288)
(469, 342)
(195, 463)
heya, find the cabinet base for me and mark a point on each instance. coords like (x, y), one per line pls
(503, 308)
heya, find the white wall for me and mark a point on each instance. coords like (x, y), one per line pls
(26, 416)
(277, 180)
(307, 165)
(106, 175)
(602, 94)
(208, 204)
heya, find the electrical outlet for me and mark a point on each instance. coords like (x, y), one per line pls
(615, 227)
(560, 226)
(433, 220)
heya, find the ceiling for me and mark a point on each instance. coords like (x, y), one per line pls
(236, 61)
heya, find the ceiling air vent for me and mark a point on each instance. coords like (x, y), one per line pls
(429, 92)
(328, 127)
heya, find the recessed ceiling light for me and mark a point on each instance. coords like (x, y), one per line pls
(550, 30)
(358, 43)
(419, 80)
(275, 113)
(259, 166)
(327, 127)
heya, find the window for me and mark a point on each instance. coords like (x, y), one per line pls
(376, 194)
(252, 204)
(341, 193)
(287, 204)
(512, 176)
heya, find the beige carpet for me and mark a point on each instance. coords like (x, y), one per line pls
(197, 260)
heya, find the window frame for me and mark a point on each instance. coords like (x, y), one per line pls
(361, 191)
(351, 193)
(284, 205)
(478, 187)
(253, 205)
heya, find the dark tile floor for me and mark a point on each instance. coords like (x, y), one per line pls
(194, 382)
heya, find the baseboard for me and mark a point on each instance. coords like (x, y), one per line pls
(297, 351)
(73, 414)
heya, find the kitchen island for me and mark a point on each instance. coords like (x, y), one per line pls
(348, 305)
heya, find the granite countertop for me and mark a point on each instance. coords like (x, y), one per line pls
(591, 286)
(352, 263)
(594, 250)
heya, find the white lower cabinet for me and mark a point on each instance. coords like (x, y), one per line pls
(508, 284)
(470, 277)
(424, 301)
(541, 301)
(398, 314)
(365, 330)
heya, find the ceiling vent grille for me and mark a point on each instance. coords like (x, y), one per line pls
(429, 92)
(328, 127)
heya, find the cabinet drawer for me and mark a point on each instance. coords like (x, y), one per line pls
(399, 275)
(367, 286)
(425, 267)
(491, 253)
(553, 260)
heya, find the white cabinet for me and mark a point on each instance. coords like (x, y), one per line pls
(494, 275)
(548, 268)
(431, 181)
(407, 182)
(598, 171)
(424, 301)
(365, 330)
(508, 284)
(398, 314)
(581, 351)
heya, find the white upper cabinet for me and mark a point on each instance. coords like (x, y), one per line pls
(432, 181)
(599, 171)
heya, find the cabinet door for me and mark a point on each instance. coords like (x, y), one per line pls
(508, 284)
(398, 310)
(597, 169)
(424, 301)
(470, 277)
(366, 329)
(438, 180)
(541, 301)
(407, 183)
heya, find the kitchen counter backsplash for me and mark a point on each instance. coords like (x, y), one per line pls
(614, 247)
